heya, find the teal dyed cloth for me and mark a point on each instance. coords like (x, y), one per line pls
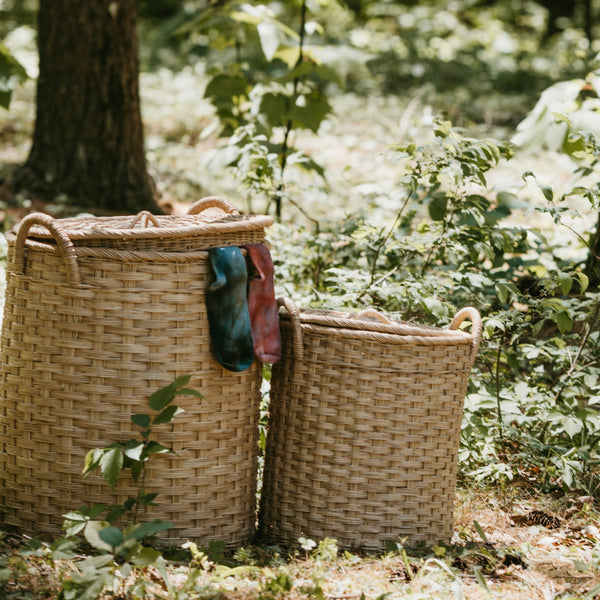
(227, 306)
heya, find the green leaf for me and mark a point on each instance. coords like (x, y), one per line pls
(502, 292)
(438, 208)
(434, 307)
(547, 191)
(571, 425)
(111, 465)
(155, 448)
(309, 110)
(112, 536)
(227, 86)
(145, 557)
(480, 532)
(584, 282)
(92, 535)
(134, 452)
(142, 421)
(564, 321)
(566, 283)
(92, 460)
(11, 73)
(181, 380)
(481, 579)
(167, 415)
(271, 37)
(144, 530)
(162, 398)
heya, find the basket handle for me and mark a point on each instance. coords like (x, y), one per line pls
(470, 313)
(212, 202)
(64, 243)
(371, 312)
(290, 306)
(144, 217)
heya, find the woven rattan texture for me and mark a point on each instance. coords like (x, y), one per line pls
(79, 359)
(363, 438)
(171, 233)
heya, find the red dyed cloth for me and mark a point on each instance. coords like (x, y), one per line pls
(262, 305)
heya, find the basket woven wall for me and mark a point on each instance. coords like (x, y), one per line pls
(99, 314)
(364, 429)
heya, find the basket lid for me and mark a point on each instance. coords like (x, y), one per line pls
(82, 230)
(209, 222)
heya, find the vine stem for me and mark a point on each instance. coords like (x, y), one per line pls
(588, 330)
(498, 399)
(383, 242)
(289, 126)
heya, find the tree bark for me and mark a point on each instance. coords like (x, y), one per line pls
(88, 142)
(592, 265)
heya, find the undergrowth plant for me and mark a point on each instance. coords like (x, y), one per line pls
(531, 413)
(121, 552)
(270, 81)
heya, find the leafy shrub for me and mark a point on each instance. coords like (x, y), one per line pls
(531, 411)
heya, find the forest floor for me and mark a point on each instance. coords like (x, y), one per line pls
(506, 545)
(531, 548)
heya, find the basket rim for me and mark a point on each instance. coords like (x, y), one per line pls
(350, 324)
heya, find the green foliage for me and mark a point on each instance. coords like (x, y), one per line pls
(531, 411)
(122, 552)
(12, 73)
(275, 83)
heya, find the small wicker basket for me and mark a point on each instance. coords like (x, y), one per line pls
(99, 314)
(364, 429)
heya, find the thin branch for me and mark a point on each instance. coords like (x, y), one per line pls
(383, 242)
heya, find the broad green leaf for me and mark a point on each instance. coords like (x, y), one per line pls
(167, 415)
(564, 321)
(92, 535)
(502, 290)
(111, 465)
(155, 448)
(547, 191)
(112, 536)
(142, 421)
(288, 54)
(139, 532)
(181, 380)
(438, 208)
(162, 398)
(276, 108)
(147, 499)
(92, 460)
(271, 37)
(145, 557)
(584, 281)
(135, 452)
(11, 73)
(226, 86)
(566, 283)
(309, 110)
(137, 468)
(571, 425)
(434, 307)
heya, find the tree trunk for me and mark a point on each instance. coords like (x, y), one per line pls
(88, 141)
(592, 266)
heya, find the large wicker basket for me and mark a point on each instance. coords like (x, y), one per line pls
(364, 429)
(100, 313)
